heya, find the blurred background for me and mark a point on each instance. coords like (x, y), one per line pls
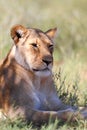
(69, 16)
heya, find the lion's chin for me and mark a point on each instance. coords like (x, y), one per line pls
(43, 73)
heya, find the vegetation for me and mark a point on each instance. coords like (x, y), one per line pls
(70, 66)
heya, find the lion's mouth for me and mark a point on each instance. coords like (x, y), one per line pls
(46, 69)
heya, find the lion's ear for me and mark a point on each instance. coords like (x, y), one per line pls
(17, 32)
(51, 33)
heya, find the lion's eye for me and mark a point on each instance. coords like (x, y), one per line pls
(34, 44)
(51, 46)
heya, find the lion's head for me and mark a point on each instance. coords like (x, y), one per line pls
(33, 49)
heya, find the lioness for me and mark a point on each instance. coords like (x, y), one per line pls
(26, 86)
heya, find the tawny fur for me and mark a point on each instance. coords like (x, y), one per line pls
(26, 85)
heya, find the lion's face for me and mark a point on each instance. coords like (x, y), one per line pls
(34, 49)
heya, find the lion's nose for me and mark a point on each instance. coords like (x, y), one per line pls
(47, 62)
(47, 59)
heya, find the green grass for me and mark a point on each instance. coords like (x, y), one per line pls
(70, 56)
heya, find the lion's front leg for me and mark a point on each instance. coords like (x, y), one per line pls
(66, 112)
(39, 117)
(31, 115)
(70, 115)
(84, 112)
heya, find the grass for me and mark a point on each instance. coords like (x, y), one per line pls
(70, 56)
(72, 78)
